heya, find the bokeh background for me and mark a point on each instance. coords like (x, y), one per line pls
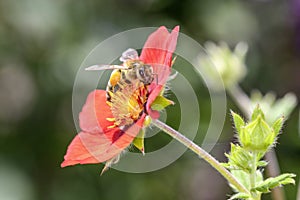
(42, 43)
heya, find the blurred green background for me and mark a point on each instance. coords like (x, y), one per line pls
(41, 44)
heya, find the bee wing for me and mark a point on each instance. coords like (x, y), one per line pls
(105, 67)
(129, 54)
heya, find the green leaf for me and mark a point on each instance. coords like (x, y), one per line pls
(138, 141)
(288, 181)
(262, 163)
(160, 103)
(271, 183)
(240, 196)
(243, 177)
(257, 112)
(238, 121)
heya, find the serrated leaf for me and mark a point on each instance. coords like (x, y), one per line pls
(239, 196)
(160, 103)
(271, 183)
(238, 121)
(288, 181)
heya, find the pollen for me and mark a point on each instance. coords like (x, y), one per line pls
(127, 104)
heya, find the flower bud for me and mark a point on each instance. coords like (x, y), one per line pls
(257, 135)
(220, 61)
(239, 158)
(274, 107)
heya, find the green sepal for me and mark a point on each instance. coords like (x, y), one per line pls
(239, 158)
(238, 121)
(271, 183)
(161, 103)
(257, 112)
(257, 135)
(147, 121)
(239, 196)
(138, 141)
(277, 125)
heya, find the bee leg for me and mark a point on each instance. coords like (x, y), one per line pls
(109, 94)
(110, 162)
(173, 61)
(173, 76)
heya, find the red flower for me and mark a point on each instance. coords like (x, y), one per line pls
(100, 140)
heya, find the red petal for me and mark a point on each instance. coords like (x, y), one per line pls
(158, 51)
(88, 148)
(154, 93)
(94, 114)
(98, 143)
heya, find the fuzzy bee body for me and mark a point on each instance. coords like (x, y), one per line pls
(136, 71)
(127, 88)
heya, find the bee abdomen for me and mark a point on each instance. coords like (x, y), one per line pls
(112, 85)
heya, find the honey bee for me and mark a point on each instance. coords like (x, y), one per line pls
(132, 69)
(126, 90)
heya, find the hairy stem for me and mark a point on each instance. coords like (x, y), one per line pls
(255, 195)
(202, 153)
(253, 171)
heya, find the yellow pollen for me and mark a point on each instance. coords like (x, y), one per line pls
(127, 104)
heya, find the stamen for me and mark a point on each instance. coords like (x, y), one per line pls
(111, 119)
(127, 103)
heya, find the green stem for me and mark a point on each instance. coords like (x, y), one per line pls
(254, 195)
(253, 171)
(202, 153)
(298, 195)
(241, 99)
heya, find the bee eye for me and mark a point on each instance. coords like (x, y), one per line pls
(141, 72)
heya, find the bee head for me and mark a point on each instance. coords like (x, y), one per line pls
(145, 73)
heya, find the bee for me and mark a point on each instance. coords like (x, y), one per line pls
(132, 69)
(127, 88)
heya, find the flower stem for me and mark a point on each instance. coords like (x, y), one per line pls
(253, 171)
(202, 153)
(241, 99)
(253, 175)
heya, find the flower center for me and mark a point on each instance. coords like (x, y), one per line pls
(127, 103)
